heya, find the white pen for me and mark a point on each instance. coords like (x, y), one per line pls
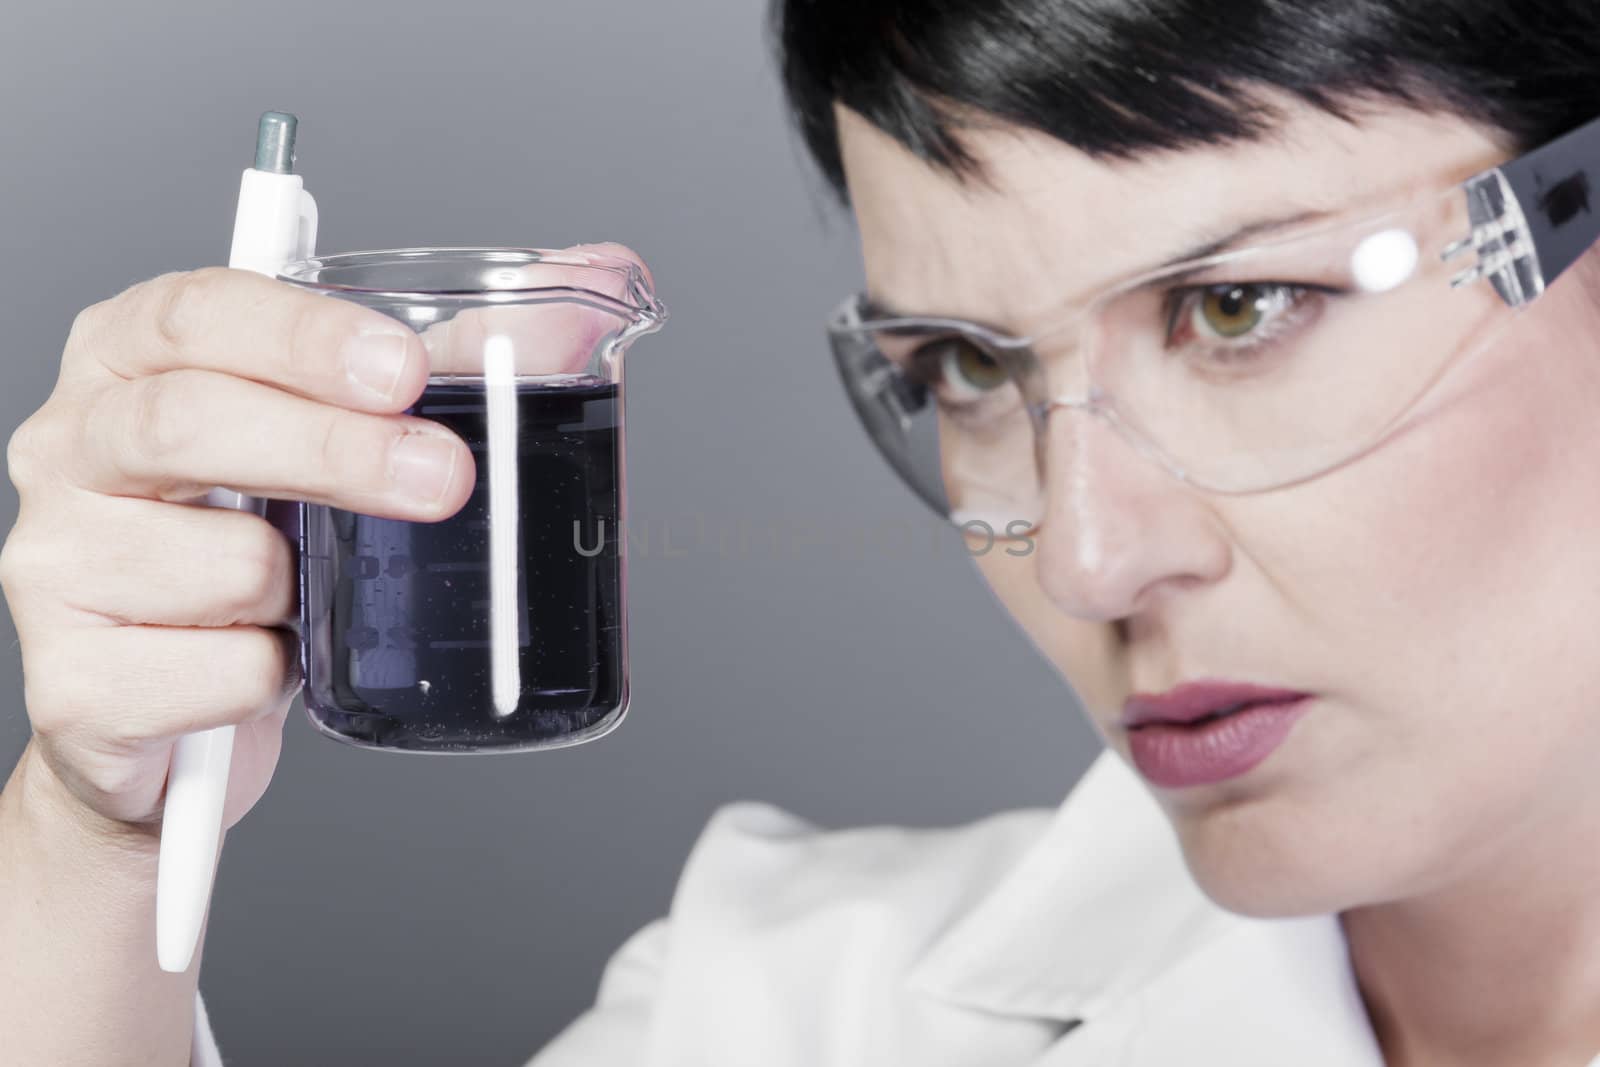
(276, 223)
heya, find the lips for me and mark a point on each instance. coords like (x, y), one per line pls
(1206, 732)
(1199, 700)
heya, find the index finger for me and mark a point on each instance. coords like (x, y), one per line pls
(249, 326)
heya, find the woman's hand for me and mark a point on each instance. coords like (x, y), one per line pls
(143, 617)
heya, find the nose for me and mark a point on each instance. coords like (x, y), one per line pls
(1119, 533)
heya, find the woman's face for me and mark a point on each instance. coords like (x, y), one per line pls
(1437, 597)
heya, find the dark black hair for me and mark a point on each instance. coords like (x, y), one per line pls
(1118, 78)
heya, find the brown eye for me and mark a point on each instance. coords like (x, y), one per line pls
(959, 368)
(1231, 311)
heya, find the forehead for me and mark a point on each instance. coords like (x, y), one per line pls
(1046, 224)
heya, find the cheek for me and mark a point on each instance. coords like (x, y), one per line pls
(1455, 558)
(1443, 591)
(1460, 712)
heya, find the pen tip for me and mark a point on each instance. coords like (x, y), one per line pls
(275, 142)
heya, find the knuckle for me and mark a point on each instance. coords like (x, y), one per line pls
(262, 669)
(119, 727)
(179, 300)
(310, 330)
(261, 574)
(160, 421)
(351, 452)
(613, 249)
(105, 779)
(20, 558)
(24, 455)
(330, 438)
(88, 324)
(622, 252)
(51, 690)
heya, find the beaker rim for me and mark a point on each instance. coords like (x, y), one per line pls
(634, 296)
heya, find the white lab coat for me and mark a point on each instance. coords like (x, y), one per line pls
(1073, 938)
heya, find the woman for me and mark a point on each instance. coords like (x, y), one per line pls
(1301, 515)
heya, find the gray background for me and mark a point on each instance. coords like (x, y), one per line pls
(383, 909)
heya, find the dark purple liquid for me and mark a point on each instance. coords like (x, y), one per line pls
(397, 614)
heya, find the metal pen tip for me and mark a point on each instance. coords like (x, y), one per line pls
(275, 142)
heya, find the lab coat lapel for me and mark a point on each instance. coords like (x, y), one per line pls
(1097, 908)
(1101, 925)
(1270, 993)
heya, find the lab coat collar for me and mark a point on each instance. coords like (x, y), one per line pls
(1102, 920)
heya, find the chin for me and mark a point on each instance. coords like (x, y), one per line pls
(1266, 860)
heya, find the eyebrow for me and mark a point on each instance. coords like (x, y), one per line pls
(1205, 249)
(1238, 235)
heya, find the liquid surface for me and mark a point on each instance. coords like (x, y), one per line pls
(414, 641)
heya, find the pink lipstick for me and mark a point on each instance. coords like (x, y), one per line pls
(1206, 732)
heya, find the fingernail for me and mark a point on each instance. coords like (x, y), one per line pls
(422, 466)
(375, 361)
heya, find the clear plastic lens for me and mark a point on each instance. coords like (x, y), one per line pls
(1239, 373)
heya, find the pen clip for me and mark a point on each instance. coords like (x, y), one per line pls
(306, 243)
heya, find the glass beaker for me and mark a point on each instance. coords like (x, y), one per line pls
(503, 627)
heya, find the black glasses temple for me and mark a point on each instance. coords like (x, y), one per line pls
(1535, 216)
